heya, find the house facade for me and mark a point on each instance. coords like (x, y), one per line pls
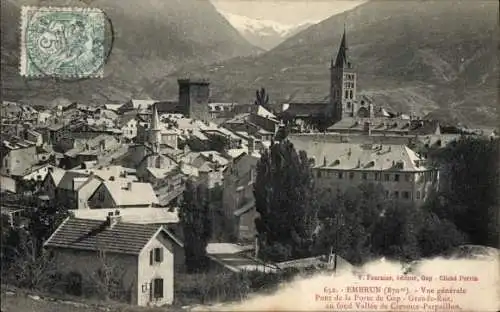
(17, 158)
(238, 203)
(142, 261)
(403, 174)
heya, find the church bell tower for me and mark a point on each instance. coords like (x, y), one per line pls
(342, 84)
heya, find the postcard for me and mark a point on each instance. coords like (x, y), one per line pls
(249, 155)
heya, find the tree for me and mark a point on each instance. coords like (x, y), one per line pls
(395, 235)
(196, 225)
(469, 198)
(347, 221)
(44, 219)
(25, 263)
(438, 235)
(284, 198)
(262, 98)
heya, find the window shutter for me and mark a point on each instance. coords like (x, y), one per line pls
(151, 257)
(151, 294)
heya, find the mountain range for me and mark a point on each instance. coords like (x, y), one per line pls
(262, 33)
(152, 38)
(435, 58)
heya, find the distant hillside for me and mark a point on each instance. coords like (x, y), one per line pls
(436, 57)
(152, 39)
(263, 33)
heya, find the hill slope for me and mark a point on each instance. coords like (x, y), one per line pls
(427, 56)
(152, 38)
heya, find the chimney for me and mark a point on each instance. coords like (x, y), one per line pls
(113, 218)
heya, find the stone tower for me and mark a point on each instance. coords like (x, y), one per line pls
(342, 84)
(193, 98)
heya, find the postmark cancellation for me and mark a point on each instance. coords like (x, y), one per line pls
(62, 42)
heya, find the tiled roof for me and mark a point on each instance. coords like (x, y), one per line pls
(86, 234)
(310, 99)
(346, 156)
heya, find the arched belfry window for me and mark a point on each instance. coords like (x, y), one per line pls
(350, 94)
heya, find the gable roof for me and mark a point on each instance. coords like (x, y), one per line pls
(56, 174)
(141, 193)
(95, 235)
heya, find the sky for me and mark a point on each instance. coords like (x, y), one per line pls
(286, 12)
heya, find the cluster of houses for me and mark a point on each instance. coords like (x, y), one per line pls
(121, 169)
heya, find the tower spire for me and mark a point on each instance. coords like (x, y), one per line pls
(342, 59)
(155, 131)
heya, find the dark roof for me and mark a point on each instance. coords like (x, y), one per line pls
(308, 98)
(67, 180)
(85, 234)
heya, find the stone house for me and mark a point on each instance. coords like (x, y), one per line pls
(142, 262)
(17, 157)
(238, 203)
(403, 174)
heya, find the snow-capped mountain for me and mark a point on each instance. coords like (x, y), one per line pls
(265, 34)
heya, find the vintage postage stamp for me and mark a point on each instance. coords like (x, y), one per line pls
(62, 42)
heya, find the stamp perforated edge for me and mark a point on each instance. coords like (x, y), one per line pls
(23, 23)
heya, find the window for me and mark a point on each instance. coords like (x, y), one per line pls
(341, 175)
(346, 94)
(319, 174)
(158, 288)
(407, 177)
(396, 194)
(386, 194)
(406, 195)
(418, 194)
(377, 176)
(351, 175)
(396, 177)
(156, 256)
(350, 94)
(386, 177)
(365, 176)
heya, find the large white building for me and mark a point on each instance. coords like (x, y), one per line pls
(403, 174)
